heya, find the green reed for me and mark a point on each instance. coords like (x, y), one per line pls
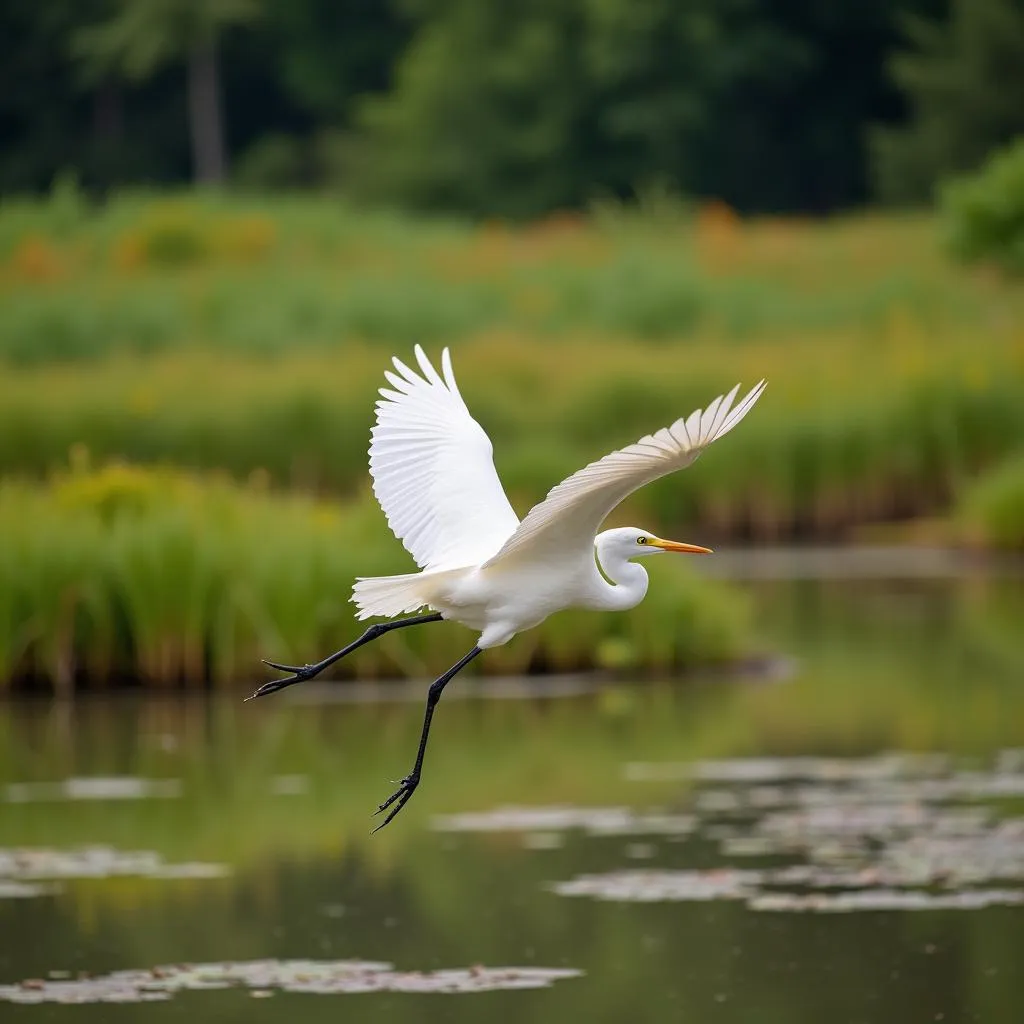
(848, 434)
(250, 335)
(151, 575)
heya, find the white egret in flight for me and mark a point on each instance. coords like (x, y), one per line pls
(435, 480)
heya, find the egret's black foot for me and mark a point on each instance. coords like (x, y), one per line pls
(299, 674)
(406, 788)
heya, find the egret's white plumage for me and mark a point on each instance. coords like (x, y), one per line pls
(434, 476)
(433, 471)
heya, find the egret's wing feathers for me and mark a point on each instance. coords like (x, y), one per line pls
(571, 514)
(432, 470)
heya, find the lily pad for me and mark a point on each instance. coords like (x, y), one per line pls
(595, 821)
(893, 832)
(118, 787)
(660, 886)
(887, 899)
(22, 864)
(263, 977)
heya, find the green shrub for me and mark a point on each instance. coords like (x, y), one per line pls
(174, 235)
(274, 161)
(984, 212)
(991, 509)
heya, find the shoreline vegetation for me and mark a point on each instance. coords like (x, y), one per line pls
(187, 381)
(170, 580)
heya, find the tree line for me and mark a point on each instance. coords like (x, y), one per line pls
(507, 109)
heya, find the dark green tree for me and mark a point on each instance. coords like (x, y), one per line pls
(330, 53)
(486, 103)
(143, 35)
(964, 82)
(518, 108)
(45, 120)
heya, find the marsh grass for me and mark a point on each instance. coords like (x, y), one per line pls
(843, 436)
(249, 335)
(167, 580)
(151, 274)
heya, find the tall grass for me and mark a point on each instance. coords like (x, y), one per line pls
(845, 434)
(250, 335)
(155, 576)
(154, 274)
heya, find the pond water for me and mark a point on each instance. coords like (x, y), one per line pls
(840, 839)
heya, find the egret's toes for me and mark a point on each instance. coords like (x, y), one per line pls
(272, 687)
(295, 669)
(405, 790)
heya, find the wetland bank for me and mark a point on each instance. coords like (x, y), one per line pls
(186, 376)
(184, 412)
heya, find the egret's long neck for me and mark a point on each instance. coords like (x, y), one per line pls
(629, 578)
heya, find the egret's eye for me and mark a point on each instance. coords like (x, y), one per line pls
(641, 540)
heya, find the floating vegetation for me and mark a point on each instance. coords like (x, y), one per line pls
(595, 821)
(263, 977)
(895, 832)
(774, 769)
(19, 867)
(888, 899)
(659, 886)
(118, 787)
(12, 890)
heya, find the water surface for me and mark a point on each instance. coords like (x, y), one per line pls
(841, 842)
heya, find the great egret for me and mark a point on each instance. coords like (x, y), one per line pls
(435, 480)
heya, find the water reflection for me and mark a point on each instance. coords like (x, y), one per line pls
(795, 798)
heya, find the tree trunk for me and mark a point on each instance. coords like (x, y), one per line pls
(107, 114)
(106, 157)
(209, 161)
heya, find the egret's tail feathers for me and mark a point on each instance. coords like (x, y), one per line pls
(392, 595)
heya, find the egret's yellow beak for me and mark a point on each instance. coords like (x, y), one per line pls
(674, 545)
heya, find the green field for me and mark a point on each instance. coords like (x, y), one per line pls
(246, 338)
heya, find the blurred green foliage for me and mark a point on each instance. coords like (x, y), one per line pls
(514, 110)
(251, 336)
(248, 337)
(991, 510)
(963, 78)
(517, 109)
(167, 579)
(83, 281)
(897, 442)
(984, 212)
(476, 105)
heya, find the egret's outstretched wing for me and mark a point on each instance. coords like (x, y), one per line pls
(432, 470)
(568, 519)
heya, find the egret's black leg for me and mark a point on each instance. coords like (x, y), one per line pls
(300, 673)
(408, 785)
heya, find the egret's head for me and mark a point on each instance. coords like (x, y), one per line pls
(629, 542)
